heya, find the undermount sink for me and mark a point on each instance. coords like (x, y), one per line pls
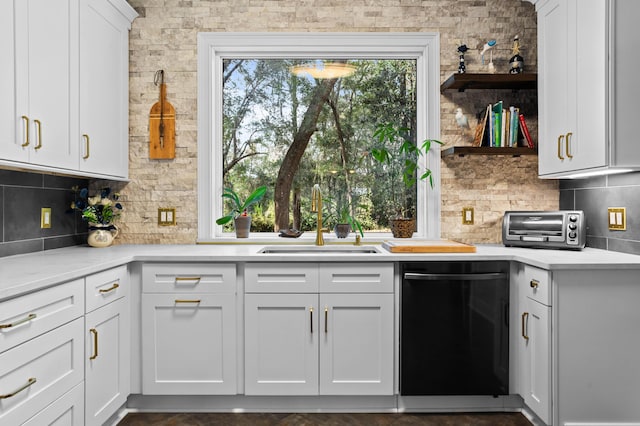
(318, 250)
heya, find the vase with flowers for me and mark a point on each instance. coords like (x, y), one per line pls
(99, 211)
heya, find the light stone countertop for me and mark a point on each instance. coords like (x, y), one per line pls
(26, 273)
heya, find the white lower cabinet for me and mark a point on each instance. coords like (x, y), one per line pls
(534, 343)
(106, 361)
(39, 371)
(68, 410)
(189, 337)
(315, 343)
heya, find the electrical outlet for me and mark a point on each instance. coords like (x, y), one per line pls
(45, 218)
(467, 215)
(166, 217)
(617, 217)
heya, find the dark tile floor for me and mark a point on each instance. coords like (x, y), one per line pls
(305, 419)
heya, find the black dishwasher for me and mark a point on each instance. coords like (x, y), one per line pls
(454, 328)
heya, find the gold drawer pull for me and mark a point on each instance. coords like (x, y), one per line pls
(22, 321)
(25, 119)
(95, 343)
(87, 142)
(39, 134)
(534, 283)
(560, 147)
(107, 290)
(326, 320)
(187, 300)
(196, 279)
(525, 318)
(568, 145)
(31, 381)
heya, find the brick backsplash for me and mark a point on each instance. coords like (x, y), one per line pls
(164, 37)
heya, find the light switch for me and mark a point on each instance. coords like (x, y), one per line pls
(617, 218)
(45, 217)
(166, 217)
(467, 215)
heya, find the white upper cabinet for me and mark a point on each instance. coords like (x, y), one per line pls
(46, 75)
(64, 103)
(104, 89)
(586, 86)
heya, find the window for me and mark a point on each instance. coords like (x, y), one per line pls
(230, 65)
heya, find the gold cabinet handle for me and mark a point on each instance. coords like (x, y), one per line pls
(311, 318)
(326, 319)
(86, 146)
(560, 147)
(107, 290)
(95, 343)
(534, 283)
(568, 140)
(187, 300)
(25, 119)
(31, 381)
(39, 134)
(196, 279)
(525, 318)
(22, 321)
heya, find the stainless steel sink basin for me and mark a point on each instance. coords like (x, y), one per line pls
(318, 250)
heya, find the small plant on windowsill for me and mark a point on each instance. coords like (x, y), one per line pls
(340, 214)
(400, 154)
(239, 210)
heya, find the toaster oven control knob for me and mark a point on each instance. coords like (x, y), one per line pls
(572, 235)
(573, 226)
(573, 218)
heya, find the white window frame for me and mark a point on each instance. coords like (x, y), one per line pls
(214, 47)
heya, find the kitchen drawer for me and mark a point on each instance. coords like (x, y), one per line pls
(537, 284)
(281, 278)
(67, 410)
(36, 373)
(28, 316)
(356, 277)
(105, 287)
(188, 278)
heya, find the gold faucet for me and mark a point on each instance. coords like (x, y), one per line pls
(316, 207)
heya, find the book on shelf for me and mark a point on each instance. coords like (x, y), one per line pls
(499, 126)
(525, 131)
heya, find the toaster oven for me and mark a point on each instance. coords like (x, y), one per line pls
(563, 229)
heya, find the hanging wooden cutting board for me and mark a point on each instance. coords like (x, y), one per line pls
(162, 125)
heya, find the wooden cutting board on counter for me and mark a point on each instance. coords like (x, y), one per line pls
(428, 246)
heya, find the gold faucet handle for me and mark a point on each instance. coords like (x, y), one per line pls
(357, 243)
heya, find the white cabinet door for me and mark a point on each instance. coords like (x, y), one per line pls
(281, 344)
(68, 410)
(535, 356)
(356, 344)
(7, 81)
(46, 83)
(188, 344)
(104, 88)
(106, 360)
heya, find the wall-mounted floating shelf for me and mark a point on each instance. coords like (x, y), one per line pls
(487, 150)
(462, 82)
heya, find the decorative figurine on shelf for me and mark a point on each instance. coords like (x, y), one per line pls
(516, 62)
(488, 47)
(461, 50)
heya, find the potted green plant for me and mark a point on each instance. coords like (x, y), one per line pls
(342, 218)
(397, 150)
(239, 210)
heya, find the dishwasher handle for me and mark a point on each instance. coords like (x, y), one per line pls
(455, 277)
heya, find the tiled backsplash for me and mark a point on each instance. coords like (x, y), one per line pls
(594, 196)
(22, 196)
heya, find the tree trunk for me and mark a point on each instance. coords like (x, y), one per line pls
(291, 161)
